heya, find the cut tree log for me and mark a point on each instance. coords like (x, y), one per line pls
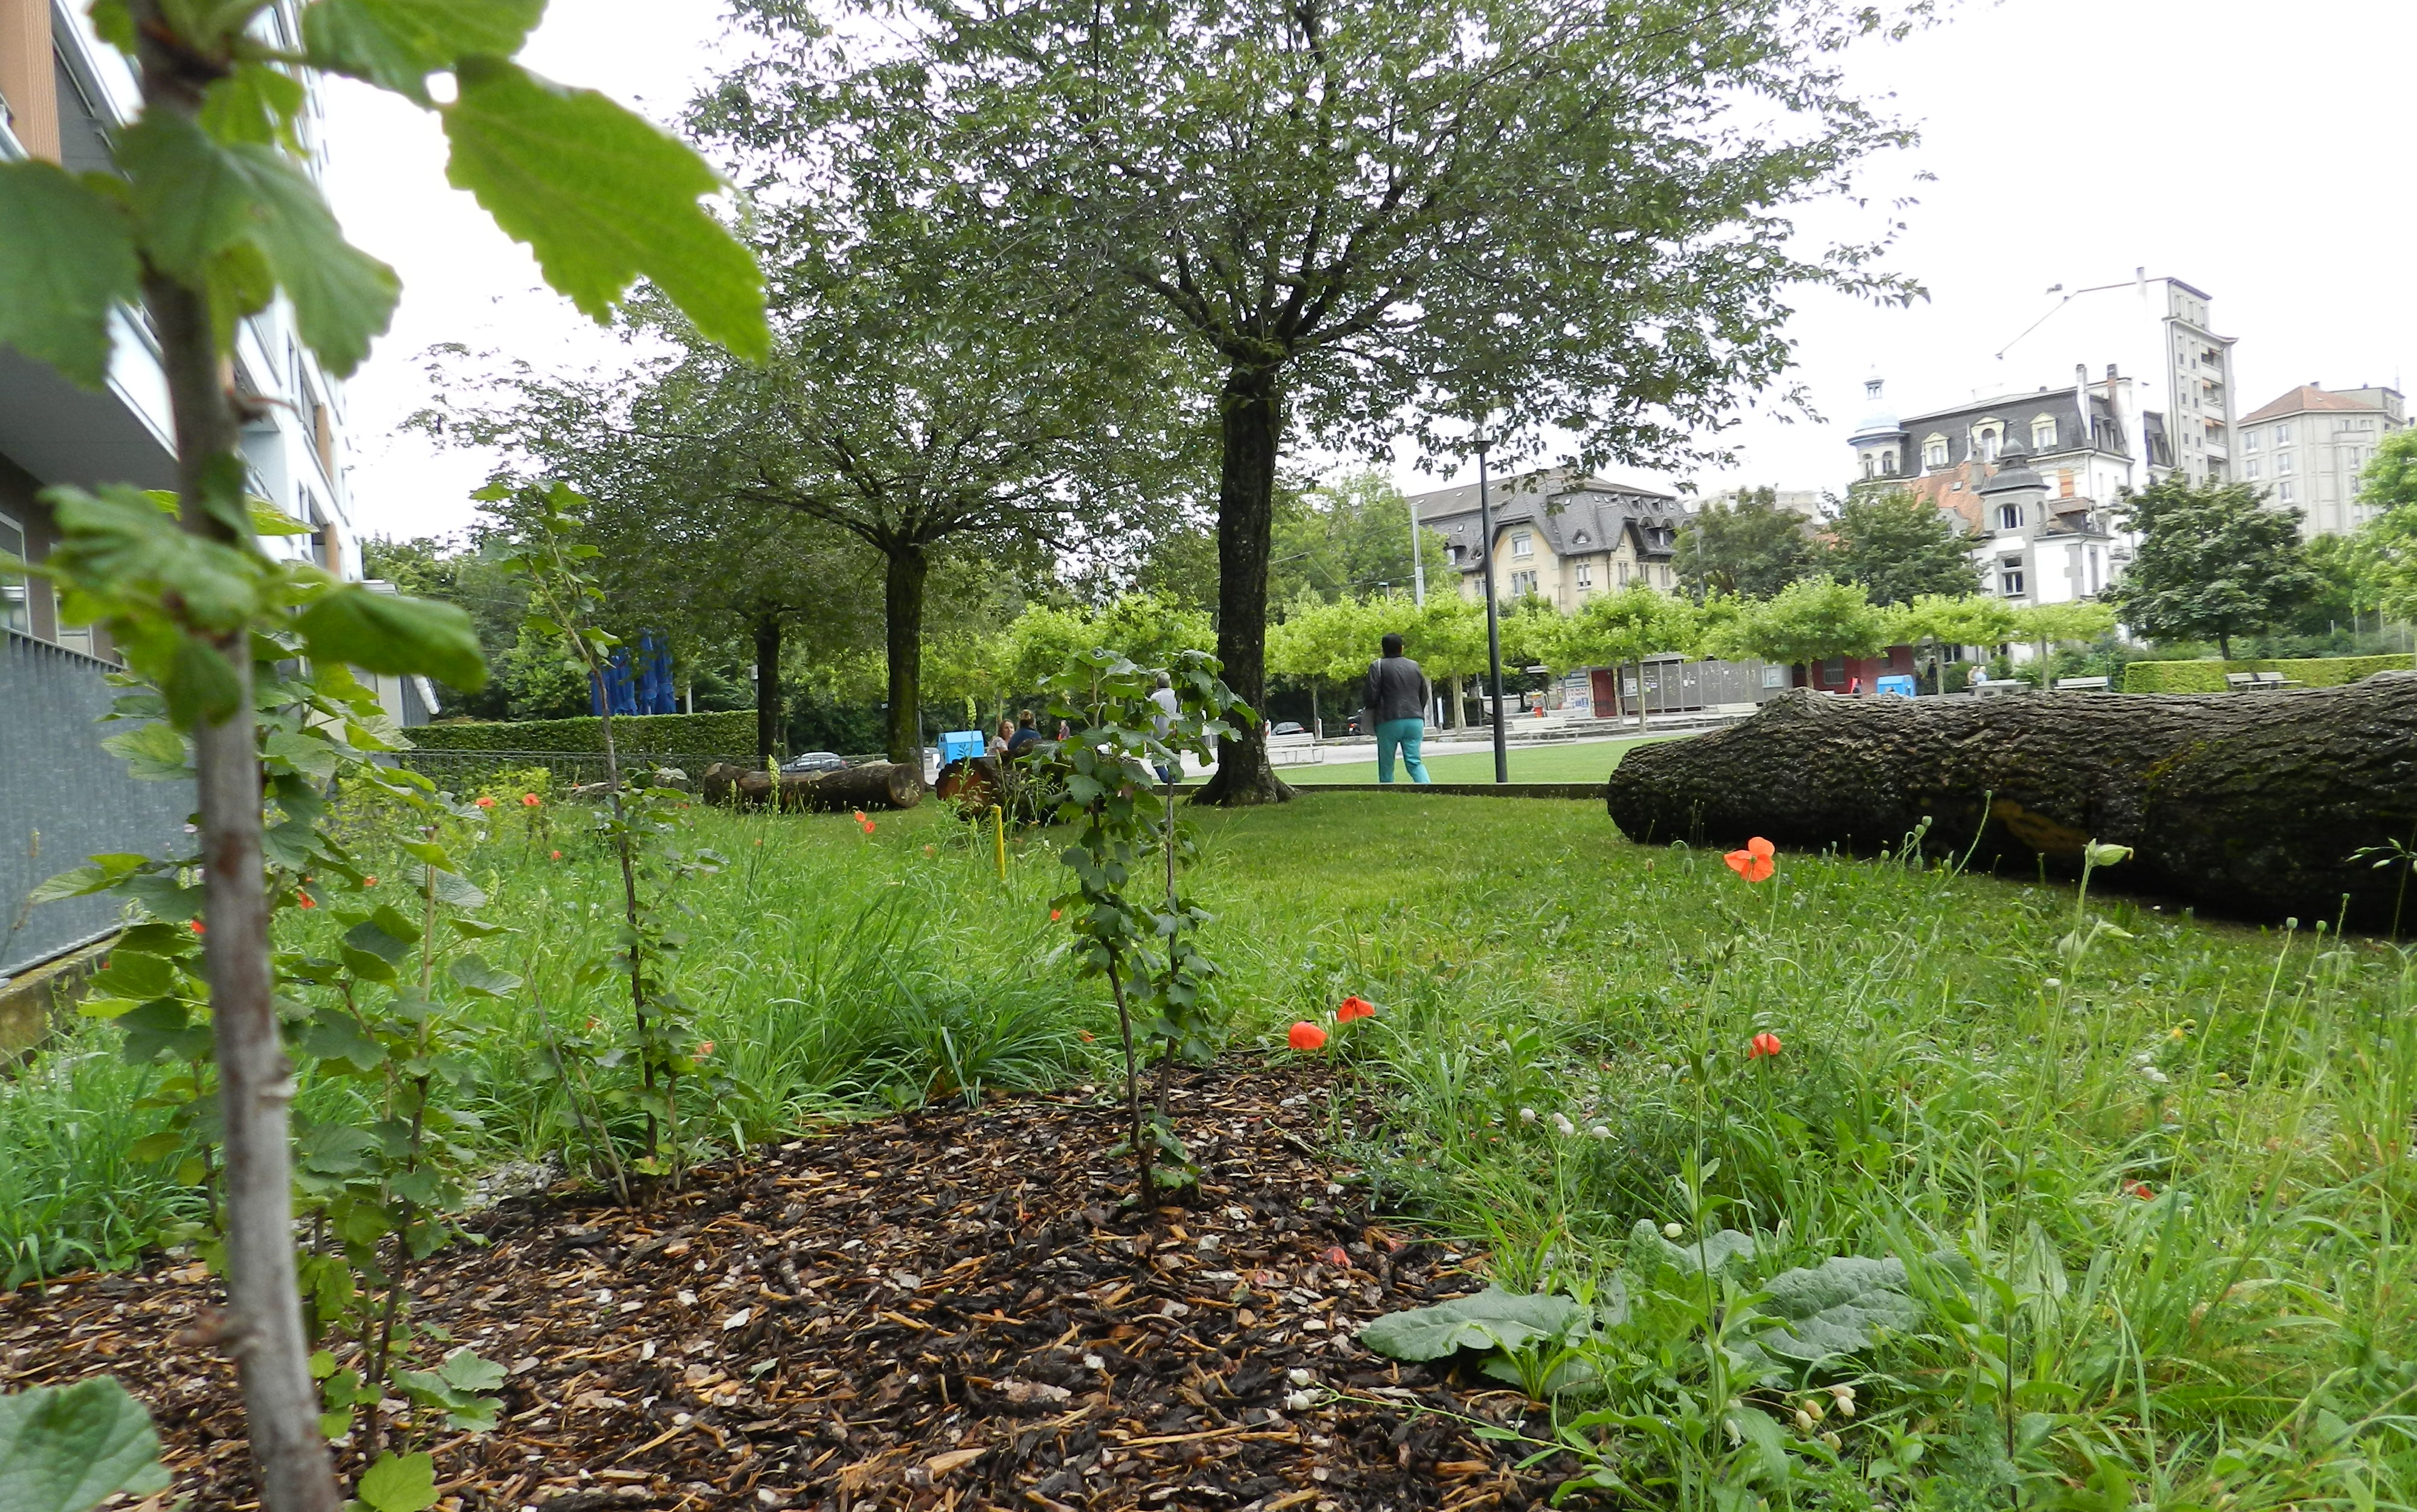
(874, 786)
(2244, 804)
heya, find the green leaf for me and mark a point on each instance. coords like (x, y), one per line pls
(371, 936)
(152, 752)
(68, 1448)
(1492, 1319)
(67, 256)
(399, 1483)
(106, 871)
(477, 976)
(465, 1371)
(396, 44)
(1716, 1251)
(391, 633)
(601, 196)
(1833, 1308)
(201, 686)
(338, 1039)
(254, 103)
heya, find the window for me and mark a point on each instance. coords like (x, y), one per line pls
(2044, 433)
(2283, 465)
(2283, 493)
(2251, 440)
(1623, 574)
(1586, 575)
(1774, 676)
(2010, 517)
(1985, 442)
(2010, 576)
(1933, 451)
(1522, 544)
(16, 594)
(2251, 467)
(1522, 585)
(2283, 435)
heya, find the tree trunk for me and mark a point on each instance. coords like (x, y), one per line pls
(767, 687)
(874, 786)
(903, 601)
(263, 1329)
(1246, 491)
(2244, 805)
(1453, 714)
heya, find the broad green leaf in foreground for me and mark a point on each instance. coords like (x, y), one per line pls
(1714, 1251)
(399, 1483)
(1492, 1319)
(1835, 1307)
(68, 1448)
(601, 196)
(66, 259)
(396, 44)
(391, 633)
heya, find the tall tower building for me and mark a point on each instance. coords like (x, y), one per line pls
(2198, 387)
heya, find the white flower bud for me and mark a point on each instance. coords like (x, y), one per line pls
(1672, 1231)
(1300, 1401)
(1600, 1131)
(1299, 1377)
(1527, 1115)
(1561, 1122)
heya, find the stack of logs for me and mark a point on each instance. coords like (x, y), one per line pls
(874, 786)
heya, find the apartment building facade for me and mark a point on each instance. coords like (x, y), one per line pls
(2307, 448)
(1558, 536)
(63, 91)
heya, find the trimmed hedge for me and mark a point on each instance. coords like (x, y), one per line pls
(731, 735)
(2208, 676)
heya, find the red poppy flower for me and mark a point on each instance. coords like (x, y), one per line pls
(486, 803)
(1306, 1035)
(369, 881)
(1761, 1045)
(1354, 1007)
(860, 816)
(528, 800)
(1753, 863)
(304, 898)
(703, 1048)
(557, 854)
(1086, 1035)
(2142, 1190)
(1052, 916)
(200, 928)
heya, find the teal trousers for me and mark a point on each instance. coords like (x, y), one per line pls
(1406, 735)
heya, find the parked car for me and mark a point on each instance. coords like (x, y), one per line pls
(814, 761)
(1289, 727)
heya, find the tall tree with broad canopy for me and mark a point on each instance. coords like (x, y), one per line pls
(686, 547)
(1806, 621)
(1373, 219)
(1900, 548)
(1750, 549)
(1617, 630)
(2215, 560)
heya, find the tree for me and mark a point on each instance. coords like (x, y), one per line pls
(1448, 641)
(1806, 621)
(1621, 628)
(2046, 626)
(2388, 543)
(1900, 548)
(1935, 620)
(1371, 219)
(2213, 560)
(1751, 549)
(207, 219)
(1349, 537)
(1153, 630)
(1330, 642)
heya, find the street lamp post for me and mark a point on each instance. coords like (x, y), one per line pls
(1418, 566)
(1493, 617)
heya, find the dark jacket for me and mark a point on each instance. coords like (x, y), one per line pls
(1396, 690)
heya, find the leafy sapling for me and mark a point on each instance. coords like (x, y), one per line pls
(206, 218)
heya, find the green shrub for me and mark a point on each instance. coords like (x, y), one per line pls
(2208, 676)
(573, 749)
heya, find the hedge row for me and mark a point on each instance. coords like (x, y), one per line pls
(731, 735)
(2208, 676)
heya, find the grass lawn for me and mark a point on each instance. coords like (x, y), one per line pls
(2150, 1184)
(1590, 762)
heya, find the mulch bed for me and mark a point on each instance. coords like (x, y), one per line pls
(942, 1310)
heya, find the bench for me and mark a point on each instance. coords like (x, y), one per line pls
(2241, 681)
(2275, 680)
(2081, 684)
(1991, 688)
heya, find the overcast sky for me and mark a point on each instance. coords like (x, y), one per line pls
(2259, 153)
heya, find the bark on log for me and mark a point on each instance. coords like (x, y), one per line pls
(2244, 804)
(874, 786)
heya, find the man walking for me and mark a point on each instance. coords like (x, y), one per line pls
(1398, 696)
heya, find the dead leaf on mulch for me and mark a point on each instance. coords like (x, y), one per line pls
(943, 1310)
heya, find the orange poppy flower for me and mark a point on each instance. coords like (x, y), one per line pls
(1354, 1007)
(1761, 1045)
(1753, 863)
(485, 803)
(200, 928)
(1306, 1036)
(528, 800)
(304, 898)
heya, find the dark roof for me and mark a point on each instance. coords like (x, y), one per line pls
(1574, 514)
(2100, 429)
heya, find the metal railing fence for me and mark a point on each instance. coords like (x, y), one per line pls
(63, 798)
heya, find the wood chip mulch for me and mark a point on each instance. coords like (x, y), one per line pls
(943, 1310)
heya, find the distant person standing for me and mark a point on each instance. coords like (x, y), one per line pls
(1398, 696)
